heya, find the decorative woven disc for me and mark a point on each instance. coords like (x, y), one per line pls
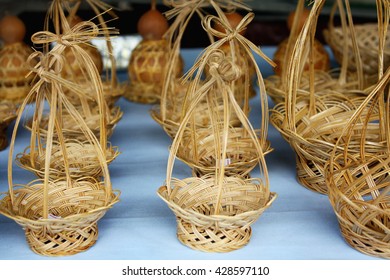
(146, 71)
(14, 85)
(315, 136)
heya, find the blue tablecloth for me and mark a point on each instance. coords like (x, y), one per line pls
(299, 225)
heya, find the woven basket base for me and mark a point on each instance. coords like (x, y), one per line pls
(212, 239)
(363, 243)
(311, 175)
(64, 243)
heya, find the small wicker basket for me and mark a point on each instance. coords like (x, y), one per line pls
(72, 129)
(359, 182)
(74, 210)
(314, 136)
(60, 216)
(312, 120)
(198, 227)
(215, 212)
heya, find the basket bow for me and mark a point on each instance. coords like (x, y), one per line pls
(222, 66)
(230, 32)
(82, 32)
(49, 64)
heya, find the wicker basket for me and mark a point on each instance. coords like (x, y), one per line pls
(170, 112)
(74, 210)
(367, 39)
(72, 129)
(314, 136)
(81, 158)
(341, 80)
(360, 195)
(7, 115)
(359, 182)
(174, 112)
(197, 150)
(146, 71)
(60, 216)
(193, 202)
(215, 211)
(312, 120)
(14, 85)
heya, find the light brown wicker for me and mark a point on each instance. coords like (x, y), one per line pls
(81, 158)
(367, 40)
(8, 113)
(59, 216)
(182, 12)
(211, 221)
(146, 71)
(14, 85)
(359, 182)
(73, 129)
(113, 90)
(214, 212)
(198, 151)
(241, 91)
(313, 122)
(314, 136)
(175, 110)
(73, 212)
(341, 80)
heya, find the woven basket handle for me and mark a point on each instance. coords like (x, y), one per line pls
(347, 23)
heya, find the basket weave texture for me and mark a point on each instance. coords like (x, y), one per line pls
(81, 158)
(73, 213)
(313, 113)
(359, 182)
(198, 152)
(146, 71)
(367, 40)
(59, 212)
(193, 202)
(215, 211)
(14, 85)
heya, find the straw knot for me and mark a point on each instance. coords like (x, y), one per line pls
(229, 32)
(47, 65)
(82, 32)
(222, 66)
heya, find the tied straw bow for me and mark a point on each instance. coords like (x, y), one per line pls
(233, 33)
(51, 64)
